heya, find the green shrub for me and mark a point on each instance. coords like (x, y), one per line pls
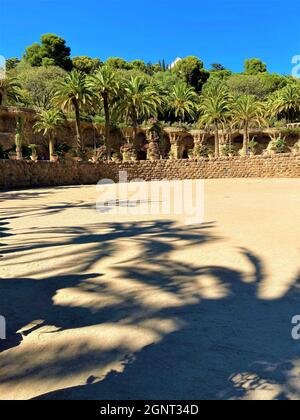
(252, 145)
(278, 145)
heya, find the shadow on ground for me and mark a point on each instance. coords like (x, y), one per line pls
(222, 346)
(5, 232)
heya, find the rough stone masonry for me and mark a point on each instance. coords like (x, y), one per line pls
(27, 174)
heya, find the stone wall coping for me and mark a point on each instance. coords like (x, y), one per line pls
(31, 114)
(16, 175)
(142, 162)
(17, 110)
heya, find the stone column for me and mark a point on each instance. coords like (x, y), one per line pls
(128, 151)
(153, 152)
(199, 139)
(272, 146)
(174, 146)
(19, 136)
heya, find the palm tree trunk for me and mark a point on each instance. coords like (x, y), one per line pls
(246, 140)
(1, 98)
(135, 125)
(51, 147)
(78, 126)
(19, 153)
(217, 141)
(107, 125)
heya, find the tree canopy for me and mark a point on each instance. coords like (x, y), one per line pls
(191, 71)
(52, 51)
(118, 91)
(255, 66)
(38, 83)
(86, 64)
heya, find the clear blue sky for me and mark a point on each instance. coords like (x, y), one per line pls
(223, 31)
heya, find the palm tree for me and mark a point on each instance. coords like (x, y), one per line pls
(182, 101)
(74, 93)
(286, 101)
(214, 107)
(49, 121)
(138, 102)
(106, 84)
(246, 111)
(10, 89)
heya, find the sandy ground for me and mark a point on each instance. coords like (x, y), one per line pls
(146, 307)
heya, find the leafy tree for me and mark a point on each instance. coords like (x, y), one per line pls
(246, 111)
(273, 81)
(48, 62)
(51, 51)
(240, 84)
(286, 102)
(183, 100)
(192, 72)
(106, 84)
(217, 67)
(48, 123)
(11, 63)
(74, 93)
(39, 83)
(214, 107)
(10, 90)
(219, 75)
(86, 64)
(255, 66)
(118, 64)
(167, 80)
(154, 68)
(33, 55)
(218, 72)
(139, 65)
(138, 102)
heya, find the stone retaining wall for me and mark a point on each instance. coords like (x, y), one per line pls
(15, 175)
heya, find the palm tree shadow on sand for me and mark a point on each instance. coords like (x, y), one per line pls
(225, 349)
(223, 346)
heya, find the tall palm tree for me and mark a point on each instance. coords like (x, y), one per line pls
(49, 121)
(10, 89)
(105, 83)
(182, 100)
(138, 101)
(74, 93)
(286, 101)
(215, 103)
(247, 111)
